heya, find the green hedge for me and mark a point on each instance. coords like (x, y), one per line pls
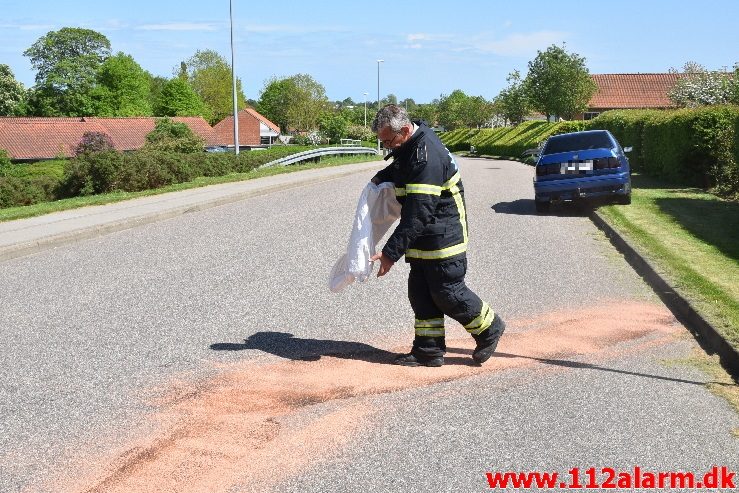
(697, 147)
(102, 172)
(507, 141)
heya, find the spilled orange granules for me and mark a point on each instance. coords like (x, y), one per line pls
(256, 424)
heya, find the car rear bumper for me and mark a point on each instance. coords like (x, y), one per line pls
(591, 186)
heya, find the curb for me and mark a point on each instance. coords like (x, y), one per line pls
(85, 233)
(705, 333)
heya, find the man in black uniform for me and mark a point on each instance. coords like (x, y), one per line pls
(432, 234)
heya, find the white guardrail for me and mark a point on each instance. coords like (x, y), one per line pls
(317, 153)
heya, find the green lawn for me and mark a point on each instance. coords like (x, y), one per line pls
(12, 213)
(692, 238)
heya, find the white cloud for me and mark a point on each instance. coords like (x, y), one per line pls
(522, 44)
(179, 26)
(28, 27)
(418, 37)
(414, 46)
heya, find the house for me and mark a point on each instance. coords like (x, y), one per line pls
(630, 91)
(254, 129)
(39, 138)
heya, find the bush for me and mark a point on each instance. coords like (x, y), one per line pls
(4, 162)
(92, 173)
(171, 136)
(360, 132)
(93, 142)
(16, 191)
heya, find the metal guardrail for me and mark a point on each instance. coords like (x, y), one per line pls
(317, 153)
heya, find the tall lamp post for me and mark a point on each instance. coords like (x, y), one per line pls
(378, 96)
(233, 81)
(365, 109)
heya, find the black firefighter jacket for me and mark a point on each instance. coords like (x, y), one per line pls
(433, 222)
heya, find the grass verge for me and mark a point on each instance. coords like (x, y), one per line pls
(692, 238)
(12, 213)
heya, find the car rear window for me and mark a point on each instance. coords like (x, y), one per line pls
(577, 142)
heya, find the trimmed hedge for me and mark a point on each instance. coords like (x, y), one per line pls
(697, 147)
(507, 141)
(101, 172)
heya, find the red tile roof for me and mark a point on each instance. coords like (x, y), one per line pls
(632, 91)
(44, 138)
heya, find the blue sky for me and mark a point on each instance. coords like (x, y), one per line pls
(429, 47)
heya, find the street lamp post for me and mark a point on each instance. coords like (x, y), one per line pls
(378, 95)
(365, 109)
(233, 81)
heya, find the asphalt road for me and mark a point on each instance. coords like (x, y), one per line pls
(135, 356)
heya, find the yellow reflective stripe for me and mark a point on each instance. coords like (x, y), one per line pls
(482, 322)
(462, 213)
(423, 188)
(437, 254)
(433, 322)
(432, 332)
(400, 191)
(452, 181)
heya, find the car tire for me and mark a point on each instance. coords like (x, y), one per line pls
(624, 199)
(542, 205)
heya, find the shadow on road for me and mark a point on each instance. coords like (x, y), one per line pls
(525, 207)
(286, 345)
(577, 364)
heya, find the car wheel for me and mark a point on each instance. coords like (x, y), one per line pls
(542, 205)
(624, 199)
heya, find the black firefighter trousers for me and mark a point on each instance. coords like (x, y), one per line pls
(436, 289)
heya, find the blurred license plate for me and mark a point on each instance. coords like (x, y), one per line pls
(577, 167)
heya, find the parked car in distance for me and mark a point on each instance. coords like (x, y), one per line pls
(582, 165)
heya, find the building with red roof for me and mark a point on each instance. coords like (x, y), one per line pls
(254, 129)
(38, 138)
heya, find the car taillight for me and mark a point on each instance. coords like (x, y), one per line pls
(606, 163)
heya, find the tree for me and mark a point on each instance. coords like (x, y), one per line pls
(172, 136)
(123, 88)
(67, 62)
(294, 103)
(333, 126)
(558, 83)
(477, 112)
(452, 110)
(178, 99)
(700, 87)
(210, 77)
(12, 92)
(512, 102)
(427, 112)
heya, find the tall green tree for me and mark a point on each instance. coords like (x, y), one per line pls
(333, 126)
(67, 62)
(178, 99)
(428, 112)
(12, 93)
(210, 77)
(294, 103)
(558, 83)
(512, 102)
(452, 110)
(123, 88)
(478, 112)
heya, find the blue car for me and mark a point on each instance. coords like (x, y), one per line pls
(582, 165)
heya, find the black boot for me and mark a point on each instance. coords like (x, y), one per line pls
(488, 340)
(412, 360)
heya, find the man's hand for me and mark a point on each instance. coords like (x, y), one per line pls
(385, 264)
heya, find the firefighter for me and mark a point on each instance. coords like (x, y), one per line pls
(432, 234)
